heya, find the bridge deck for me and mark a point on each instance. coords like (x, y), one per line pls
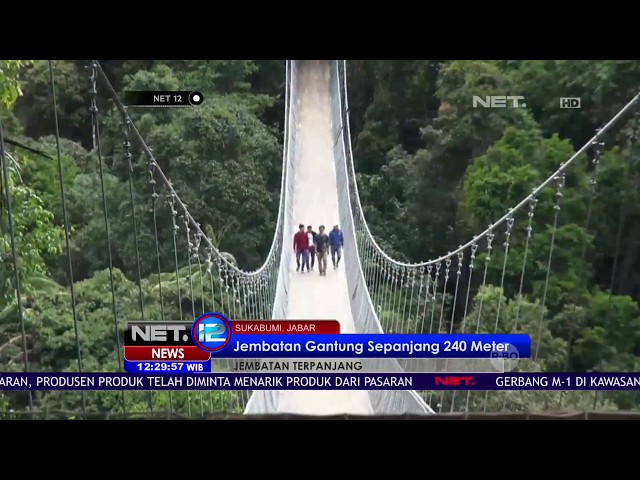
(316, 203)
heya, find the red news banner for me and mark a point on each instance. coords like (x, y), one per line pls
(172, 340)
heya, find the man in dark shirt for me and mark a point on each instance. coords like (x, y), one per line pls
(301, 248)
(322, 245)
(336, 241)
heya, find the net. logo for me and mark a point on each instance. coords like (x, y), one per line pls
(211, 332)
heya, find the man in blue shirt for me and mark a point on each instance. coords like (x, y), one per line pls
(336, 242)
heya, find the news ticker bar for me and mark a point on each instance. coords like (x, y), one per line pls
(306, 365)
(321, 381)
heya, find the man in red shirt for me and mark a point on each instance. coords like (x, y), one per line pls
(301, 248)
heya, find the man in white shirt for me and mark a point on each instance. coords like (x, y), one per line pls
(312, 245)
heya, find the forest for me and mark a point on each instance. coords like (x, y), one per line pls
(432, 171)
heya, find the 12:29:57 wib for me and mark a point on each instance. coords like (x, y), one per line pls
(159, 366)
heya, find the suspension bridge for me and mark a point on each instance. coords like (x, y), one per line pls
(369, 293)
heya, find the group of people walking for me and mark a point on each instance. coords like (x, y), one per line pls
(308, 245)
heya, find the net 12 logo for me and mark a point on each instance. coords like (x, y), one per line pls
(155, 341)
(211, 332)
(161, 342)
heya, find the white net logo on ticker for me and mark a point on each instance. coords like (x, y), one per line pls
(505, 360)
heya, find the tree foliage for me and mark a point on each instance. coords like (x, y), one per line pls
(434, 171)
(224, 160)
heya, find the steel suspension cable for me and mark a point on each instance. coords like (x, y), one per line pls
(95, 119)
(126, 147)
(154, 208)
(14, 256)
(506, 245)
(127, 157)
(560, 182)
(487, 259)
(633, 141)
(151, 168)
(190, 247)
(175, 228)
(471, 267)
(519, 296)
(452, 323)
(593, 182)
(533, 201)
(67, 232)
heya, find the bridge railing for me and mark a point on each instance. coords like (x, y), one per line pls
(267, 401)
(362, 310)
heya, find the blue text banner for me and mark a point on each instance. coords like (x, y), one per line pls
(377, 346)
